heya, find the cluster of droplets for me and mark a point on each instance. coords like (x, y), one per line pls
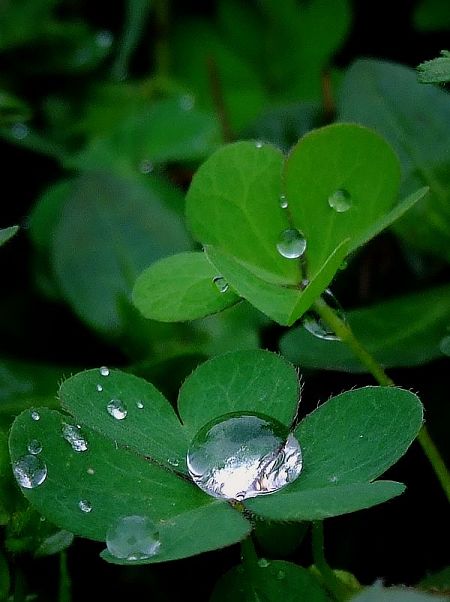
(243, 455)
(133, 538)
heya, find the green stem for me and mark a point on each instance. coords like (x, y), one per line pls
(345, 334)
(248, 554)
(162, 52)
(64, 578)
(332, 583)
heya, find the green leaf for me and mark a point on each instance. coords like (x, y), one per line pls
(254, 381)
(340, 158)
(55, 543)
(378, 593)
(136, 15)
(436, 71)
(233, 205)
(437, 582)
(415, 120)
(406, 331)
(152, 430)
(347, 442)
(118, 227)
(282, 304)
(273, 581)
(7, 233)
(46, 212)
(119, 483)
(179, 288)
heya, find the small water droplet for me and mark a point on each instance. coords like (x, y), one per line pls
(187, 102)
(35, 415)
(333, 479)
(73, 436)
(258, 144)
(117, 409)
(263, 563)
(173, 462)
(90, 471)
(221, 284)
(146, 166)
(133, 538)
(99, 388)
(30, 471)
(104, 39)
(281, 575)
(340, 200)
(85, 506)
(361, 436)
(243, 455)
(104, 371)
(444, 345)
(139, 405)
(20, 131)
(42, 519)
(34, 447)
(314, 323)
(291, 244)
(283, 201)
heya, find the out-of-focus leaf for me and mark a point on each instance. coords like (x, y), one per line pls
(7, 233)
(436, 71)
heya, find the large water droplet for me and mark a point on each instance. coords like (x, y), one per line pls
(104, 371)
(243, 455)
(133, 538)
(444, 345)
(85, 506)
(221, 284)
(283, 201)
(117, 409)
(72, 435)
(35, 415)
(30, 471)
(35, 447)
(314, 323)
(291, 244)
(340, 200)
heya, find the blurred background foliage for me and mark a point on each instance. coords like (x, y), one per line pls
(106, 111)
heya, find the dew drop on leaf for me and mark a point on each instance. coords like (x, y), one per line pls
(19, 131)
(283, 201)
(74, 437)
(133, 538)
(139, 405)
(104, 371)
(291, 244)
(30, 471)
(34, 447)
(99, 388)
(35, 415)
(263, 563)
(117, 409)
(146, 166)
(90, 471)
(340, 200)
(85, 506)
(314, 323)
(187, 102)
(444, 345)
(259, 144)
(281, 575)
(221, 284)
(173, 462)
(243, 455)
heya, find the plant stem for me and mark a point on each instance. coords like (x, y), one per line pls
(248, 554)
(64, 578)
(162, 52)
(332, 583)
(345, 334)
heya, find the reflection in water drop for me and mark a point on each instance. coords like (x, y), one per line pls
(34, 447)
(291, 244)
(221, 284)
(283, 201)
(30, 471)
(85, 506)
(314, 323)
(340, 200)
(73, 436)
(444, 345)
(104, 371)
(35, 415)
(243, 455)
(133, 538)
(117, 409)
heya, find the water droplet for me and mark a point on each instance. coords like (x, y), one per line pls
(281, 575)
(35, 415)
(30, 471)
(444, 345)
(314, 323)
(85, 506)
(291, 244)
(104, 371)
(72, 435)
(187, 102)
(42, 519)
(243, 455)
(263, 563)
(117, 409)
(333, 479)
(340, 200)
(361, 436)
(146, 166)
(173, 462)
(139, 405)
(34, 447)
(104, 39)
(99, 388)
(90, 471)
(20, 131)
(283, 201)
(258, 144)
(221, 284)
(133, 538)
